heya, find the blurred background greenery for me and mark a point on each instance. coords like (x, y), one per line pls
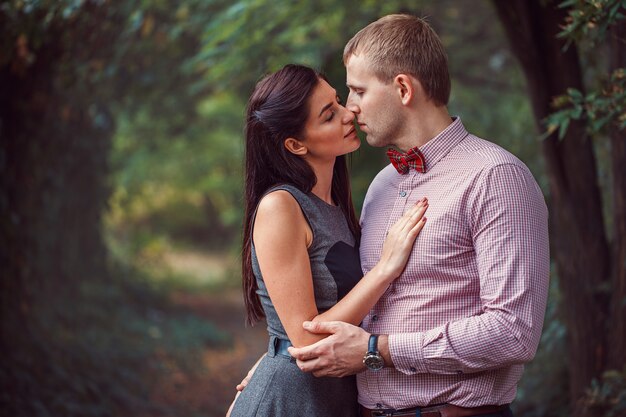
(121, 177)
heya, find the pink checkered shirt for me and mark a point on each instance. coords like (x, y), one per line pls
(467, 312)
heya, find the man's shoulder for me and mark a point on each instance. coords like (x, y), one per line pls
(386, 177)
(486, 154)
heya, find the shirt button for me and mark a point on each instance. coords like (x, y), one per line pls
(402, 193)
(379, 405)
(459, 372)
(412, 369)
(374, 317)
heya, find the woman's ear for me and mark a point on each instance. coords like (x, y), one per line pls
(295, 146)
(406, 88)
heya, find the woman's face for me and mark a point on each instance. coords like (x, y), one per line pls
(329, 130)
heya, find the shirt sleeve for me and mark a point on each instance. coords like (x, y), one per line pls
(509, 222)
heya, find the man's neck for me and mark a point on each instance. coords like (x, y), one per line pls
(424, 125)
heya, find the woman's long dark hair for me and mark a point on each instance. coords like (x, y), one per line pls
(278, 109)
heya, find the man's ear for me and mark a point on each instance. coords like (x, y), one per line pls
(407, 88)
(295, 146)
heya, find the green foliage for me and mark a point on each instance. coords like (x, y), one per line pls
(76, 339)
(186, 186)
(258, 36)
(605, 106)
(607, 396)
(135, 108)
(598, 108)
(589, 20)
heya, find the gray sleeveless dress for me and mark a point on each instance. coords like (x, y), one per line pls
(278, 387)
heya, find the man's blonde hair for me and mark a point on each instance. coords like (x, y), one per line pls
(404, 44)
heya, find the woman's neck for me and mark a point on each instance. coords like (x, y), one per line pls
(323, 186)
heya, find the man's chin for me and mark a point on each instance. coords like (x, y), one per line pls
(374, 142)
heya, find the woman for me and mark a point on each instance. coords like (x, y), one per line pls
(300, 243)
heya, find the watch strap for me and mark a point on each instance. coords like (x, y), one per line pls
(372, 346)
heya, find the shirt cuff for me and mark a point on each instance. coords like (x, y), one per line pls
(407, 350)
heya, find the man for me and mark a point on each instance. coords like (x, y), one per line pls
(453, 332)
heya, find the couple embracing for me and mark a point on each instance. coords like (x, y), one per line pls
(431, 303)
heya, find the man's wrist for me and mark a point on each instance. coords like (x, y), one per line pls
(383, 348)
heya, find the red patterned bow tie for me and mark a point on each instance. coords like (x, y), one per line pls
(402, 162)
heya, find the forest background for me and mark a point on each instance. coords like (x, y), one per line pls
(121, 186)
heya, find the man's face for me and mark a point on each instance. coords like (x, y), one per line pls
(374, 103)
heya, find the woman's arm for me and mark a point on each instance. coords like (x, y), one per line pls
(281, 236)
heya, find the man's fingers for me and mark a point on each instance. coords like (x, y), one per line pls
(310, 352)
(243, 383)
(322, 327)
(318, 368)
(303, 354)
(318, 374)
(313, 365)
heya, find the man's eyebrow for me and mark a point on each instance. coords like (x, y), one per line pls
(353, 87)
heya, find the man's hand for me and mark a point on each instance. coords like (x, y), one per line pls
(244, 382)
(339, 354)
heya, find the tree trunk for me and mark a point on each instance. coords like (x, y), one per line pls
(53, 189)
(617, 42)
(578, 240)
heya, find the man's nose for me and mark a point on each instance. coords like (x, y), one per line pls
(351, 105)
(347, 116)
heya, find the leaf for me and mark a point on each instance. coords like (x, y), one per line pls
(563, 128)
(598, 124)
(575, 94)
(567, 3)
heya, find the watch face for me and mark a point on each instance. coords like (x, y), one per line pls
(373, 362)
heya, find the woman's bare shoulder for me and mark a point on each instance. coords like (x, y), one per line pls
(279, 207)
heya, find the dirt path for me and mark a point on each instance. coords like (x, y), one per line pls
(209, 390)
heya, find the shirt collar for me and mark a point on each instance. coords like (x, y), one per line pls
(439, 146)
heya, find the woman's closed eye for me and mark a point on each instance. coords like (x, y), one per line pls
(333, 111)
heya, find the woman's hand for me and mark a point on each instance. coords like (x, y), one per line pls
(400, 239)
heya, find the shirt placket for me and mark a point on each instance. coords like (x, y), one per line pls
(400, 205)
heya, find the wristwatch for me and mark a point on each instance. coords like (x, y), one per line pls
(372, 359)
